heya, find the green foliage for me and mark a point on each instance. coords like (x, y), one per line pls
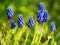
(39, 34)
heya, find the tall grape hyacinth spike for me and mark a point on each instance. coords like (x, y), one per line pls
(42, 15)
(9, 13)
(20, 21)
(13, 25)
(41, 7)
(52, 26)
(30, 22)
(45, 16)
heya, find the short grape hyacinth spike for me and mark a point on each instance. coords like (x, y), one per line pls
(45, 16)
(20, 21)
(13, 25)
(30, 22)
(52, 26)
(41, 7)
(9, 13)
(39, 17)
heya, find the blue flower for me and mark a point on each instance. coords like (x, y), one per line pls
(41, 7)
(39, 17)
(20, 21)
(9, 13)
(52, 26)
(45, 16)
(13, 25)
(30, 22)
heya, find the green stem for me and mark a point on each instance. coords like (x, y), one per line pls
(17, 36)
(27, 36)
(37, 34)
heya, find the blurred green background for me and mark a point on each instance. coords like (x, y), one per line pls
(28, 8)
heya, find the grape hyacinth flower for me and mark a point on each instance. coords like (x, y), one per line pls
(9, 13)
(13, 25)
(42, 15)
(52, 26)
(45, 15)
(20, 21)
(39, 17)
(30, 22)
(41, 7)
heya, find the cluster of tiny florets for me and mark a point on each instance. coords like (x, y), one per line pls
(41, 7)
(30, 22)
(9, 13)
(13, 25)
(20, 21)
(42, 15)
(52, 26)
(39, 16)
(45, 16)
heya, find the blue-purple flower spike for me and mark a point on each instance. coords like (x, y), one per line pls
(9, 13)
(30, 22)
(45, 16)
(39, 17)
(20, 21)
(42, 15)
(41, 7)
(13, 25)
(52, 26)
